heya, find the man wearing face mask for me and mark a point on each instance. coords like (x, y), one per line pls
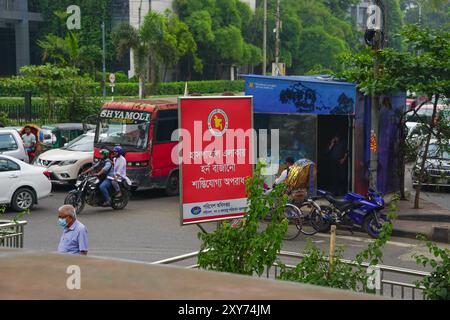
(74, 239)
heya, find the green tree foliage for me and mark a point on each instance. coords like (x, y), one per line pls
(126, 38)
(304, 22)
(68, 52)
(93, 13)
(435, 13)
(394, 23)
(437, 284)
(424, 70)
(244, 248)
(57, 82)
(219, 29)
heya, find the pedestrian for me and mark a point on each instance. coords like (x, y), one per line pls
(74, 239)
(338, 155)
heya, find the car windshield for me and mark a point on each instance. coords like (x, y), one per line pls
(84, 143)
(124, 128)
(7, 142)
(439, 152)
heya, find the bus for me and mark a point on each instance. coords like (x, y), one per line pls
(143, 128)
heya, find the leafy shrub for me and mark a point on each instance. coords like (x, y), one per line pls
(132, 88)
(4, 119)
(437, 284)
(243, 248)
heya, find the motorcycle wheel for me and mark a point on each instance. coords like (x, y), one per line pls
(74, 199)
(317, 220)
(372, 227)
(121, 202)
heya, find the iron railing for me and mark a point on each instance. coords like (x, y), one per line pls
(389, 283)
(11, 233)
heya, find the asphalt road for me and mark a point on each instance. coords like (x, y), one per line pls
(149, 230)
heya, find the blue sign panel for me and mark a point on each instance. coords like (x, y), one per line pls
(300, 95)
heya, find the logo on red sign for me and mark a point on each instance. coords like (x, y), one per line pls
(218, 122)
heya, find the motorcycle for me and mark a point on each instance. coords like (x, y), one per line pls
(88, 191)
(354, 211)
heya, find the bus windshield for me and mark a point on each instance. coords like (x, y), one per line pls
(124, 131)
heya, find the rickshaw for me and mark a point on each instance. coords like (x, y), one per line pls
(39, 134)
(62, 133)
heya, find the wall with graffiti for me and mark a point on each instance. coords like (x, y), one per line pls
(306, 94)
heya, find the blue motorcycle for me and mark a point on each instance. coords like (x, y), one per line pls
(353, 211)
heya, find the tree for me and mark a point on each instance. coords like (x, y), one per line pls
(93, 14)
(177, 43)
(69, 52)
(424, 69)
(218, 28)
(127, 38)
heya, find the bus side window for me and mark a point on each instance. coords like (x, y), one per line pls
(167, 122)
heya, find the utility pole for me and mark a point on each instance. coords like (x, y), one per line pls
(104, 58)
(277, 36)
(375, 101)
(265, 40)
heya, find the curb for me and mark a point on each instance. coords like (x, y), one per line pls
(424, 217)
(437, 234)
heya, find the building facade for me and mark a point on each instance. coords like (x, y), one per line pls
(16, 23)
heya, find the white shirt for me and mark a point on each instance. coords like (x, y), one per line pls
(283, 176)
(28, 140)
(120, 167)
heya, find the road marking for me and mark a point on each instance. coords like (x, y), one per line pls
(366, 240)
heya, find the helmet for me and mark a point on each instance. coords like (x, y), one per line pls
(104, 153)
(118, 150)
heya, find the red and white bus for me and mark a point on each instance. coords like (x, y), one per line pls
(143, 128)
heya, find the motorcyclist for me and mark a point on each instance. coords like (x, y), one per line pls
(104, 169)
(120, 169)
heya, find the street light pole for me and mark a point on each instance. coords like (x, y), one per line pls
(265, 40)
(104, 58)
(277, 36)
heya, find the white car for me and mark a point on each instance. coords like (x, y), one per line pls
(66, 163)
(22, 184)
(11, 144)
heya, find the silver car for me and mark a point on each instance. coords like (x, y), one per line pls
(11, 144)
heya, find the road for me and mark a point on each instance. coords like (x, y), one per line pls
(149, 230)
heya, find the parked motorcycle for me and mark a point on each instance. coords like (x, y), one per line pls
(354, 211)
(88, 191)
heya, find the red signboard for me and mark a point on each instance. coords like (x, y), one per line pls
(216, 157)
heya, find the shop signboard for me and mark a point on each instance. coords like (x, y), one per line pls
(216, 157)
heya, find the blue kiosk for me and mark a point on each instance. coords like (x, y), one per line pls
(310, 111)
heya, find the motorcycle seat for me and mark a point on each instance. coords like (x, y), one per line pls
(342, 204)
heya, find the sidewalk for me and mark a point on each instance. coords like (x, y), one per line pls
(431, 220)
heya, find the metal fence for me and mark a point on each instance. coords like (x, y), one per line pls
(18, 114)
(394, 282)
(11, 233)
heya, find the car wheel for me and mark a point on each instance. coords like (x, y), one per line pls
(23, 199)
